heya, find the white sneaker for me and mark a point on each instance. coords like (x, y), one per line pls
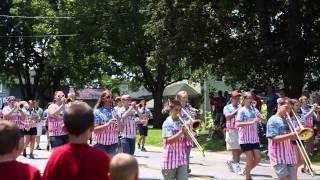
(230, 167)
(238, 169)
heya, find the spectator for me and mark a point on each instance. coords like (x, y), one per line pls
(271, 102)
(78, 160)
(124, 167)
(219, 103)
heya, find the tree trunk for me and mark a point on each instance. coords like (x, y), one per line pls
(157, 115)
(294, 72)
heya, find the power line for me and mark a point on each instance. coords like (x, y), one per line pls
(38, 17)
(39, 36)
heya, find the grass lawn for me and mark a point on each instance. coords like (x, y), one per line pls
(154, 138)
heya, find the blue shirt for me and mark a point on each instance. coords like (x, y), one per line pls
(244, 114)
(183, 115)
(170, 127)
(276, 126)
(102, 115)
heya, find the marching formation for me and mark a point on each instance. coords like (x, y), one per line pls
(111, 128)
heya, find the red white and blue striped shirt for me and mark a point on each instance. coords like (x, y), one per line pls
(230, 124)
(248, 134)
(280, 152)
(308, 122)
(15, 117)
(56, 124)
(174, 154)
(129, 125)
(109, 135)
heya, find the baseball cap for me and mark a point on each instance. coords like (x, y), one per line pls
(235, 93)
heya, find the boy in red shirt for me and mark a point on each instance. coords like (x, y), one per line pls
(11, 147)
(77, 160)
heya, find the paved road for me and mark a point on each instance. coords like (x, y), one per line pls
(211, 167)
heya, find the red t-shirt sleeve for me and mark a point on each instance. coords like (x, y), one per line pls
(37, 176)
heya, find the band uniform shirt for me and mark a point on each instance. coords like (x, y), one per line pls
(14, 117)
(308, 122)
(109, 135)
(185, 117)
(248, 134)
(56, 124)
(230, 124)
(129, 125)
(174, 154)
(282, 152)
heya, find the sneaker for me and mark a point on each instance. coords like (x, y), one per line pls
(230, 167)
(31, 156)
(24, 153)
(238, 169)
(143, 149)
(138, 146)
(38, 148)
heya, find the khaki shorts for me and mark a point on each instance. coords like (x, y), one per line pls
(232, 140)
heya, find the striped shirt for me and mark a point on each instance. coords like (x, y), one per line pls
(129, 125)
(308, 122)
(248, 134)
(56, 124)
(174, 154)
(109, 135)
(282, 152)
(230, 124)
(14, 117)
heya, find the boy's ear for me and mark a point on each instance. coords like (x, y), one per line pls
(65, 129)
(91, 128)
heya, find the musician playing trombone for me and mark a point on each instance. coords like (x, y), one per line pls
(182, 97)
(175, 136)
(281, 150)
(309, 116)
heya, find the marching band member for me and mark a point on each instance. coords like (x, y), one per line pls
(230, 111)
(12, 113)
(295, 105)
(182, 97)
(30, 128)
(174, 158)
(282, 152)
(39, 123)
(143, 126)
(129, 124)
(57, 135)
(105, 133)
(246, 120)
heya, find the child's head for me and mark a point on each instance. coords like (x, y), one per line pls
(78, 119)
(175, 108)
(123, 167)
(10, 140)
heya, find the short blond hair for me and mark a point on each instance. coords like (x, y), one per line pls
(126, 96)
(303, 98)
(123, 167)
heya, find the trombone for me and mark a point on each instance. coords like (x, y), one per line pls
(190, 132)
(301, 148)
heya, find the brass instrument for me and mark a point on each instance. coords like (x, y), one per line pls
(299, 143)
(146, 118)
(68, 100)
(191, 135)
(304, 133)
(196, 124)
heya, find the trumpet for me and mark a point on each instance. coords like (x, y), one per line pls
(68, 100)
(299, 143)
(195, 124)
